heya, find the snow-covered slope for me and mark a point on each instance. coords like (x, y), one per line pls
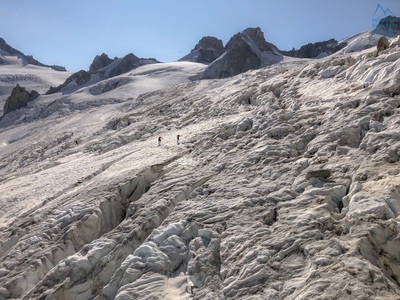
(360, 41)
(14, 70)
(284, 184)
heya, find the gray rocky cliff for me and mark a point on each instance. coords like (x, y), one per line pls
(19, 98)
(245, 51)
(206, 50)
(80, 78)
(129, 62)
(99, 62)
(313, 50)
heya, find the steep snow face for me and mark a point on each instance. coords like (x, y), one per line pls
(360, 42)
(283, 184)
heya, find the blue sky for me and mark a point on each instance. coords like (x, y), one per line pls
(71, 33)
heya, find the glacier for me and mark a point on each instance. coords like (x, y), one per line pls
(284, 184)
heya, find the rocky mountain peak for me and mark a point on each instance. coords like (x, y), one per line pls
(250, 36)
(5, 47)
(245, 51)
(207, 42)
(19, 98)
(99, 62)
(129, 62)
(207, 50)
(313, 50)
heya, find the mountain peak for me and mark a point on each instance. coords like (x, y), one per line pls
(316, 50)
(19, 98)
(245, 51)
(253, 37)
(99, 62)
(207, 50)
(207, 42)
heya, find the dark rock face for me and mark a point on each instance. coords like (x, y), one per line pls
(209, 49)
(389, 26)
(19, 98)
(80, 78)
(245, 51)
(313, 50)
(29, 58)
(235, 61)
(208, 42)
(99, 62)
(5, 47)
(206, 51)
(129, 62)
(256, 35)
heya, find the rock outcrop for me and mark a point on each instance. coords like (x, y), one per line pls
(19, 98)
(245, 51)
(78, 78)
(129, 62)
(313, 50)
(99, 62)
(206, 51)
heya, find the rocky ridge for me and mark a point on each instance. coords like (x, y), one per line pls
(206, 50)
(99, 62)
(245, 51)
(314, 50)
(19, 98)
(76, 79)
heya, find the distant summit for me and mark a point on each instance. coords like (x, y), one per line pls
(128, 63)
(99, 62)
(101, 68)
(315, 50)
(245, 51)
(19, 98)
(206, 51)
(107, 67)
(27, 58)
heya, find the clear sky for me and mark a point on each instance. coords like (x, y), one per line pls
(71, 33)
